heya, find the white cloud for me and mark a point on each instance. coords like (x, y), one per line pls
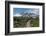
(35, 11)
(27, 11)
(17, 15)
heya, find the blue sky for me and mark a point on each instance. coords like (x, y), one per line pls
(25, 10)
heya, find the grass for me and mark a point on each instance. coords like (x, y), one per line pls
(35, 22)
(21, 21)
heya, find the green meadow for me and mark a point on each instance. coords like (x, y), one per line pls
(25, 22)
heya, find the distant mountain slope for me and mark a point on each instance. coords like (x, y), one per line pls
(29, 15)
(33, 15)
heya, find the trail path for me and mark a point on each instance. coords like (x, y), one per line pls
(28, 23)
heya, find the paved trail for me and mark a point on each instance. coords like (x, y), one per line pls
(28, 23)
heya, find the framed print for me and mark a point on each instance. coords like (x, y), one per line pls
(24, 17)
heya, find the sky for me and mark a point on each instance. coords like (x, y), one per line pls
(18, 11)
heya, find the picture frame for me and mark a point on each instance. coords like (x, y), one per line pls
(21, 6)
